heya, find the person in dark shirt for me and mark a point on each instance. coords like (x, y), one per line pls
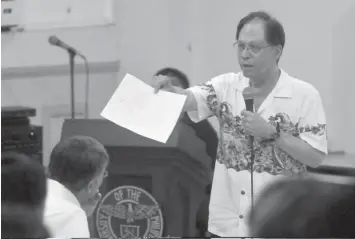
(203, 129)
(206, 133)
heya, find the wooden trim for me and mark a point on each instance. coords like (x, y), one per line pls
(336, 164)
(336, 152)
(30, 72)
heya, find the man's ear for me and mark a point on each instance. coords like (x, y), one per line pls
(91, 186)
(278, 51)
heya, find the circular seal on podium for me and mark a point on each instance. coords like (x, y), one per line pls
(129, 212)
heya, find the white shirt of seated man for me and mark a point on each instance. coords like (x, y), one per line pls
(64, 216)
(288, 127)
(67, 207)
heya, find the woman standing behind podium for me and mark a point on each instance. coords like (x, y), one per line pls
(205, 132)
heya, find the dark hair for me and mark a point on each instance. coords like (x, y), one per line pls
(76, 160)
(23, 180)
(304, 208)
(21, 222)
(274, 31)
(168, 71)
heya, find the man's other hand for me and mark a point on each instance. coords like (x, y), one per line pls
(256, 126)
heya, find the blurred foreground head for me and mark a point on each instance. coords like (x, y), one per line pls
(18, 221)
(304, 208)
(23, 182)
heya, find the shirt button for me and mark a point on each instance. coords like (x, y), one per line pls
(241, 216)
(242, 192)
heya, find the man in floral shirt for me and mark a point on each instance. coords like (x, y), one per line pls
(286, 133)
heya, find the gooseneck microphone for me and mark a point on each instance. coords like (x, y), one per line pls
(55, 41)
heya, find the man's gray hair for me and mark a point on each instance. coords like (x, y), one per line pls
(76, 160)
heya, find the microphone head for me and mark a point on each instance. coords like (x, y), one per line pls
(250, 93)
(54, 40)
(249, 105)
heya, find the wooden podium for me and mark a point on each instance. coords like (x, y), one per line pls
(152, 189)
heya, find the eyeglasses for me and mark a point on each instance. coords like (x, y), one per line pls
(252, 48)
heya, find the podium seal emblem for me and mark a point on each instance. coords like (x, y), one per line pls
(129, 212)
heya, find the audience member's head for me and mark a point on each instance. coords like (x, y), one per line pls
(23, 182)
(304, 208)
(20, 222)
(79, 163)
(179, 78)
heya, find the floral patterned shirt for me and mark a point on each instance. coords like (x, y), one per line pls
(295, 104)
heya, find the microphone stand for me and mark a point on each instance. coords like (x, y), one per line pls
(250, 107)
(252, 159)
(72, 55)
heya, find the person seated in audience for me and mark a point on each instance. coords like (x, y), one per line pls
(23, 182)
(304, 208)
(76, 170)
(19, 221)
(206, 133)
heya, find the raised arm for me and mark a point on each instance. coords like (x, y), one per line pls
(164, 83)
(203, 99)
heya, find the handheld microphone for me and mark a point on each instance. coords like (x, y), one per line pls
(55, 41)
(249, 104)
(249, 93)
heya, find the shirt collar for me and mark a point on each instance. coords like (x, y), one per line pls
(59, 191)
(283, 88)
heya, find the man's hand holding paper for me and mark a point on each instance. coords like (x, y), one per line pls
(135, 106)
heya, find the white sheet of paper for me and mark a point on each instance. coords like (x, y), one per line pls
(136, 107)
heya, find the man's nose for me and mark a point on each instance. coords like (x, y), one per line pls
(245, 53)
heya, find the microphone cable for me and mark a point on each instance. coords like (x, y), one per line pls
(87, 88)
(252, 158)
